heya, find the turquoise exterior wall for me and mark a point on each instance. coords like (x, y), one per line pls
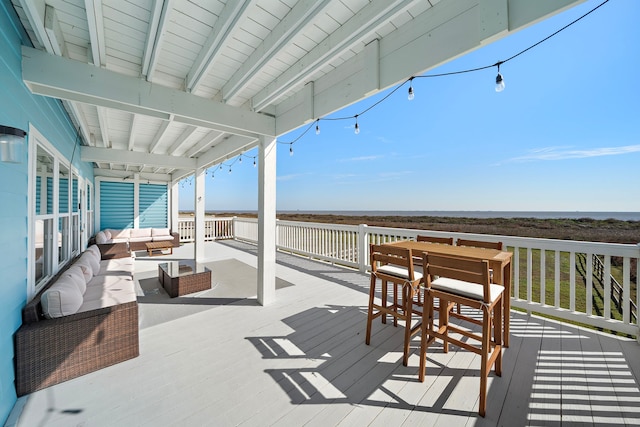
(18, 109)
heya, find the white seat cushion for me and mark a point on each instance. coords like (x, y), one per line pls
(466, 289)
(116, 266)
(162, 238)
(400, 272)
(139, 239)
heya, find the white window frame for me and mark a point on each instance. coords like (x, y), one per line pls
(36, 139)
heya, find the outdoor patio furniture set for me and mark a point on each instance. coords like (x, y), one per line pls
(120, 243)
(83, 320)
(455, 276)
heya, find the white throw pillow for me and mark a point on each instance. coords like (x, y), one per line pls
(86, 268)
(95, 251)
(93, 262)
(160, 232)
(119, 234)
(61, 299)
(101, 238)
(107, 233)
(140, 232)
(77, 275)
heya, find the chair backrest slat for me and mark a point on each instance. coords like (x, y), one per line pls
(391, 255)
(480, 244)
(460, 268)
(431, 239)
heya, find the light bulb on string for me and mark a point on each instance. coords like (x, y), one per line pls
(291, 149)
(254, 162)
(499, 81)
(240, 158)
(357, 128)
(229, 170)
(318, 127)
(411, 93)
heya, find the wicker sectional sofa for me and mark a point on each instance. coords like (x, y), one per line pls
(120, 243)
(83, 320)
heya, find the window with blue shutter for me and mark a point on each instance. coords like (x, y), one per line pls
(153, 205)
(116, 205)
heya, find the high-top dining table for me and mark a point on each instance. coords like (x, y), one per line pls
(499, 262)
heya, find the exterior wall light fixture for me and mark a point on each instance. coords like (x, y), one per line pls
(11, 143)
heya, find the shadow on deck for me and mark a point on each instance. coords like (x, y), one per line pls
(221, 359)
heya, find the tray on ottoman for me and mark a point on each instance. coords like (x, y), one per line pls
(183, 277)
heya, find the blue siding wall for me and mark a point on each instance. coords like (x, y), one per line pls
(116, 205)
(18, 109)
(153, 205)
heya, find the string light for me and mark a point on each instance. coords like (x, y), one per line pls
(240, 158)
(411, 94)
(499, 81)
(229, 170)
(499, 87)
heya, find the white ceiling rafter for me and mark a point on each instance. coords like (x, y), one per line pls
(353, 31)
(54, 32)
(95, 21)
(210, 139)
(132, 133)
(180, 141)
(158, 136)
(46, 27)
(104, 126)
(233, 12)
(302, 13)
(155, 36)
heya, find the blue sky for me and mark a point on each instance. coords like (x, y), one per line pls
(564, 135)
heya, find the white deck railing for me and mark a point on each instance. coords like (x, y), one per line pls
(214, 229)
(586, 282)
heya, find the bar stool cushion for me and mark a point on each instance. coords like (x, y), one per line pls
(466, 289)
(398, 272)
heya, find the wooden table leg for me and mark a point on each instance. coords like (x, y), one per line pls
(506, 310)
(502, 273)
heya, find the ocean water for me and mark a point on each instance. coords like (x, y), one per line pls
(623, 216)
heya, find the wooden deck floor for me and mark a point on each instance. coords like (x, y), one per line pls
(224, 361)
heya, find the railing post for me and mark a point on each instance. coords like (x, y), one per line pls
(363, 247)
(233, 228)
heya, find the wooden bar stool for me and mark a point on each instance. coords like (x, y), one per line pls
(394, 265)
(463, 281)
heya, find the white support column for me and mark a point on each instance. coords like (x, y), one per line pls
(136, 200)
(266, 220)
(199, 219)
(174, 212)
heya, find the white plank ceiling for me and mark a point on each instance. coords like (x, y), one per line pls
(176, 78)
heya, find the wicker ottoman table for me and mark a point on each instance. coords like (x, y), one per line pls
(183, 277)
